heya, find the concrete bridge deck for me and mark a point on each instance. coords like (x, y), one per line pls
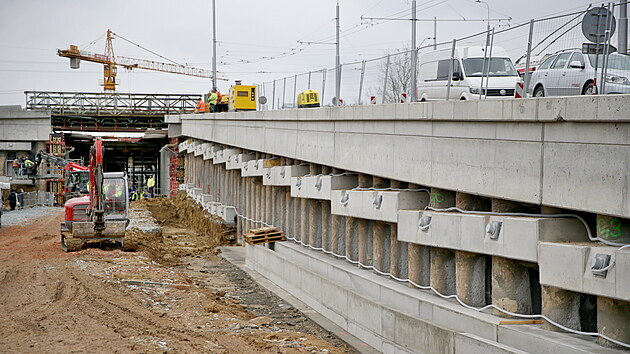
(535, 181)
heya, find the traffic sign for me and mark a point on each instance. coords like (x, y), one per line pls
(595, 22)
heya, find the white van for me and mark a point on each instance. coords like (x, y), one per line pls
(434, 69)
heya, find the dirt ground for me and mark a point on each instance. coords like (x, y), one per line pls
(174, 294)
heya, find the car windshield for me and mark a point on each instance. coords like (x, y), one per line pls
(498, 67)
(616, 61)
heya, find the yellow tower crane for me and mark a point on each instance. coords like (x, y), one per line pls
(110, 62)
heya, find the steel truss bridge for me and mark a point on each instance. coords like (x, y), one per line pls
(93, 111)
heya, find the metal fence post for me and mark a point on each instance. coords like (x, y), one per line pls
(284, 92)
(323, 85)
(361, 81)
(528, 59)
(489, 62)
(450, 71)
(295, 91)
(386, 78)
(607, 38)
(273, 96)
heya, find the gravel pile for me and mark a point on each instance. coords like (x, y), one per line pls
(26, 216)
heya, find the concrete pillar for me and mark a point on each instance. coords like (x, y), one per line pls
(613, 319)
(471, 202)
(304, 218)
(442, 199)
(505, 206)
(363, 226)
(470, 268)
(470, 276)
(297, 218)
(380, 235)
(561, 306)
(398, 262)
(419, 260)
(288, 217)
(443, 265)
(338, 234)
(613, 229)
(258, 206)
(443, 270)
(352, 238)
(314, 222)
(510, 286)
(326, 225)
(269, 205)
(275, 213)
(381, 246)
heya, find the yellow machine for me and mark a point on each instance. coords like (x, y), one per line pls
(242, 98)
(308, 98)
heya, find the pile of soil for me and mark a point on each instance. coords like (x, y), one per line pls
(185, 229)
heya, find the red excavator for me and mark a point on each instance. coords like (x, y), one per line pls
(102, 215)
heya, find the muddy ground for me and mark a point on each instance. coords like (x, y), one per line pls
(173, 294)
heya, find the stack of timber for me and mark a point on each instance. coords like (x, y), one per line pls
(264, 235)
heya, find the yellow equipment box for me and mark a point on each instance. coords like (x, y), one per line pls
(242, 98)
(308, 98)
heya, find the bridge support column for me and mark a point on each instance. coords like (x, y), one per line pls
(381, 238)
(471, 273)
(268, 205)
(326, 217)
(297, 218)
(398, 260)
(561, 306)
(443, 274)
(314, 213)
(288, 202)
(511, 284)
(363, 226)
(419, 260)
(613, 317)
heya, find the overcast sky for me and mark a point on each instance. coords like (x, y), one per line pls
(252, 31)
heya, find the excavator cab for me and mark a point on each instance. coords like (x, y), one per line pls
(78, 228)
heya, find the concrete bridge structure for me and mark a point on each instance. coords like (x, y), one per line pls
(459, 227)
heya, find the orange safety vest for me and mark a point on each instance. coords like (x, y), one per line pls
(201, 106)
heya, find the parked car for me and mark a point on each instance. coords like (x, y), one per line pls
(467, 74)
(570, 72)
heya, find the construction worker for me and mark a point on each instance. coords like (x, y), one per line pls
(12, 199)
(16, 167)
(28, 165)
(151, 186)
(212, 100)
(201, 107)
(113, 196)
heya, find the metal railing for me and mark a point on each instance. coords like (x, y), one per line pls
(111, 104)
(529, 45)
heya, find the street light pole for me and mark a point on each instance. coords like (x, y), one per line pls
(488, 24)
(337, 63)
(214, 46)
(414, 53)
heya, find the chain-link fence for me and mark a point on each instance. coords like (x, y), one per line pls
(37, 198)
(544, 57)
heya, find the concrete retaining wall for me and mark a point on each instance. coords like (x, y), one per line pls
(538, 151)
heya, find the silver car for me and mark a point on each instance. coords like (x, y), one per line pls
(571, 73)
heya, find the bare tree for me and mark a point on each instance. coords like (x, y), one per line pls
(398, 76)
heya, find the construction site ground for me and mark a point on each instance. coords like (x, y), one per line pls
(174, 294)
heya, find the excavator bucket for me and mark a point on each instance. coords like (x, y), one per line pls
(113, 229)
